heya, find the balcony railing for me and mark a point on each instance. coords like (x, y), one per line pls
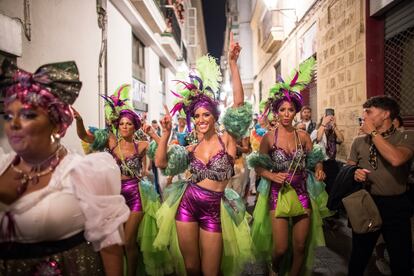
(173, 26)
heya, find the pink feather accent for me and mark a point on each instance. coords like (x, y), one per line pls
(176, 108)
(295, 78)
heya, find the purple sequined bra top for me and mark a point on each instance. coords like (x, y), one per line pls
(130, 166)
(220, 167)
(283, 159)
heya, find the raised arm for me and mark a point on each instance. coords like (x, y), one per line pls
(396, 155)
(161, 153)
(80, 128)
(233, 55)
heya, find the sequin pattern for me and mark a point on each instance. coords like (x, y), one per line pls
(220, 167)
(80, 260)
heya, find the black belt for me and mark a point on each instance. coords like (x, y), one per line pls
(18, 250)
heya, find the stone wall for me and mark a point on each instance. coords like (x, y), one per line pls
(341, 70)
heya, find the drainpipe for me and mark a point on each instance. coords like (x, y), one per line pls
(103, 56)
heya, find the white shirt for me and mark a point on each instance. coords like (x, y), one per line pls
(83, 195)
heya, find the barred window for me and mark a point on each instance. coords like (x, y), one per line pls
(399, 71)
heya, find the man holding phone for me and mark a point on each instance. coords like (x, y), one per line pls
(383, 156)
(329, 136)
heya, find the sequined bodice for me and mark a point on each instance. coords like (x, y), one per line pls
(130, 166)
(283, 159)
(220, 167)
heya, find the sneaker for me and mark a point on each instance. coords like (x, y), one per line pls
(383, 266)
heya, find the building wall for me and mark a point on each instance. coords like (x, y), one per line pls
(341, 64)
(340, 51)
(119, 49)
(58, 35)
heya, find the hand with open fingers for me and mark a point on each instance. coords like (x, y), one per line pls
(361, 175)
(234, 49)
(166, 121)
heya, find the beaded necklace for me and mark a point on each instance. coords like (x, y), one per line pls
(43, 168)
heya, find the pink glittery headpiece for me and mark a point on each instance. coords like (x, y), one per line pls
(53, 87)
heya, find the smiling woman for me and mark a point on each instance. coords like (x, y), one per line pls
(40, 177)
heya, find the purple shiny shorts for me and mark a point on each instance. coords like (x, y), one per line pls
(201, 205)
(130, 191)
(298, 183)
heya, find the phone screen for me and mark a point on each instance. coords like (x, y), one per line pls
(329, 111)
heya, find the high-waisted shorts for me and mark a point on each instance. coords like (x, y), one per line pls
(130, 191)
(298, 183)
(201, 205)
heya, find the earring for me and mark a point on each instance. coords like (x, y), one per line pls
(55, 138)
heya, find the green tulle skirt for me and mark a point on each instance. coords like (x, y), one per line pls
(237, 242)
(157, 261)
(262, 228)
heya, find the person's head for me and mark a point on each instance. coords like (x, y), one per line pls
(181, 121)
(305, 113)
(37, 107)
(127, 123)
(204, 120)
(381, 110)
(286, 112)
(398, 122)
(154, 124)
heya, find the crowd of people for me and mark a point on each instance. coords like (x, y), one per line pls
(169, 198)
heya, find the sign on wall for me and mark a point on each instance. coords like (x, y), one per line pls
(138, 95)
(307, 43)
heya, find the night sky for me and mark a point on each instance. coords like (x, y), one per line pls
(214, 21)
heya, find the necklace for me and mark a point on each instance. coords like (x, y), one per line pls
(37, 170)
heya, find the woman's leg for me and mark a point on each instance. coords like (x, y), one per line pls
(280, 229)
(131, 245)
(188, 239)
(211, 244)
(299, 237)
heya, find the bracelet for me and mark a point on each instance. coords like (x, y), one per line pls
(323, 125)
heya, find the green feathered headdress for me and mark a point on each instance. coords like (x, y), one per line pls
(199, 89)
(290, 89)
(114, 104)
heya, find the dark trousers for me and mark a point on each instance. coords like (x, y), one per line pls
(396, 229)
(331, 168)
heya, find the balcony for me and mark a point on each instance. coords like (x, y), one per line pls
(171, 37)
(272, 32)
(151, 12)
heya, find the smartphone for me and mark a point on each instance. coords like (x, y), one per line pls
(329, 112)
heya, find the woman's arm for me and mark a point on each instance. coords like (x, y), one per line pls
(271, 176)
(233, 55)
(80, 128)
(161, 153)
(112, 258)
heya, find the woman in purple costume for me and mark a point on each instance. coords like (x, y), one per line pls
(287, 148)
(197, 219)
(130, 156)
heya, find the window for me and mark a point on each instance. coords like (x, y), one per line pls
(260, 91)
(278, 70)
(138, 59)
(4, 55)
